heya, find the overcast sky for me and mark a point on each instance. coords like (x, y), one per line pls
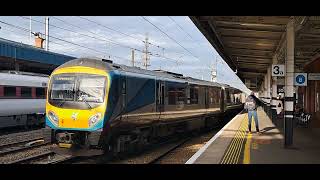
(185, 51)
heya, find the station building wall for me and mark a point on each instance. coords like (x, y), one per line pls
(309, 96)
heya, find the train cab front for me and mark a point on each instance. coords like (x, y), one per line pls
(76, 105)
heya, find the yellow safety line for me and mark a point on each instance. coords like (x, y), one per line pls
(233, 152)
(244, 127)
(246, 158)
(239, 145)
(236, 145)
(231, 148)
(243, 139)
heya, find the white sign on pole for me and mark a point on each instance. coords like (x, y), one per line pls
(300, 79)
(314, 76)
(278, 70)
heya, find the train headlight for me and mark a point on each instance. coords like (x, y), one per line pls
(54, 118)
(94, 119)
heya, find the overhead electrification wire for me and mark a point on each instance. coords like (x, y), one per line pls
(126, 35)
(180, 27)
(170, 37)
(105, 39)
(27, 30)
(27, 33)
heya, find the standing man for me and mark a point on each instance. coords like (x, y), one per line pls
(251, 105)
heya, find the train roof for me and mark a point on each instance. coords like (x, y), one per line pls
(230, 87)
(21, 79)
(109, 65)
(24, 73)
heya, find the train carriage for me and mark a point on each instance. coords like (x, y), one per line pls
(96, 103)
(22, 98)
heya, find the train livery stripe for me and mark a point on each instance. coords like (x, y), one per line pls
(18, 91)
(96, 127)
(80, 69)
(1, 91)
(33, 92)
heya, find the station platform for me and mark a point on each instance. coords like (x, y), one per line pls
(234, 145)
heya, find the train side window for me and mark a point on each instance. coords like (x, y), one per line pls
(9, 91)
(26, 92)
(228, 96)
(194, 95)
(176, 93)
(40, 92)
(211, 95)
(218, 95)
(214, 96)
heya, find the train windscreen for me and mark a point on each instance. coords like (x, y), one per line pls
(62, 88)
(77, 88)
(91, 89)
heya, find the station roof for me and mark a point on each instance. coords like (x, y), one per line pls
(29, 57)
(248, 43)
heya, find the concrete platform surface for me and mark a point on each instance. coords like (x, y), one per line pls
(234, 145)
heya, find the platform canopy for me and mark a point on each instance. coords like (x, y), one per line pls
(248, 43)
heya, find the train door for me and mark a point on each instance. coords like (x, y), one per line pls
(123, 95)
(160, 96)
(222, 100)
(206, 96)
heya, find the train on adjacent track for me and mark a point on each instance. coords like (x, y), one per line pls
(22, 99)
(97, 104)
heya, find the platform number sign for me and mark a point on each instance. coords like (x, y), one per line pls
(300, 79)
(277, 70)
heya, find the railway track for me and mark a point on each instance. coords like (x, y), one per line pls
(169, 149)
(12, 130)
(20, 155)
(158, 152)
(11, 139)
(31, 158)
(48, 158)
(21, 146)
(40, 154)
(63, 160)
(176, 151)
(152, 155)
(32, 150)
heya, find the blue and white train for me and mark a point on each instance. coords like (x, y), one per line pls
(99, 104)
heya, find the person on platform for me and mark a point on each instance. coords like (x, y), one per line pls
(251, 105)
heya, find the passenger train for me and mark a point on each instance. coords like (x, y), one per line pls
(97, 104)
(22, 98)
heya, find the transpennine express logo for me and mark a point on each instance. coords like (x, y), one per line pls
(74, 116)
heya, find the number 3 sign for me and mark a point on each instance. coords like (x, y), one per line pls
(277, 70)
